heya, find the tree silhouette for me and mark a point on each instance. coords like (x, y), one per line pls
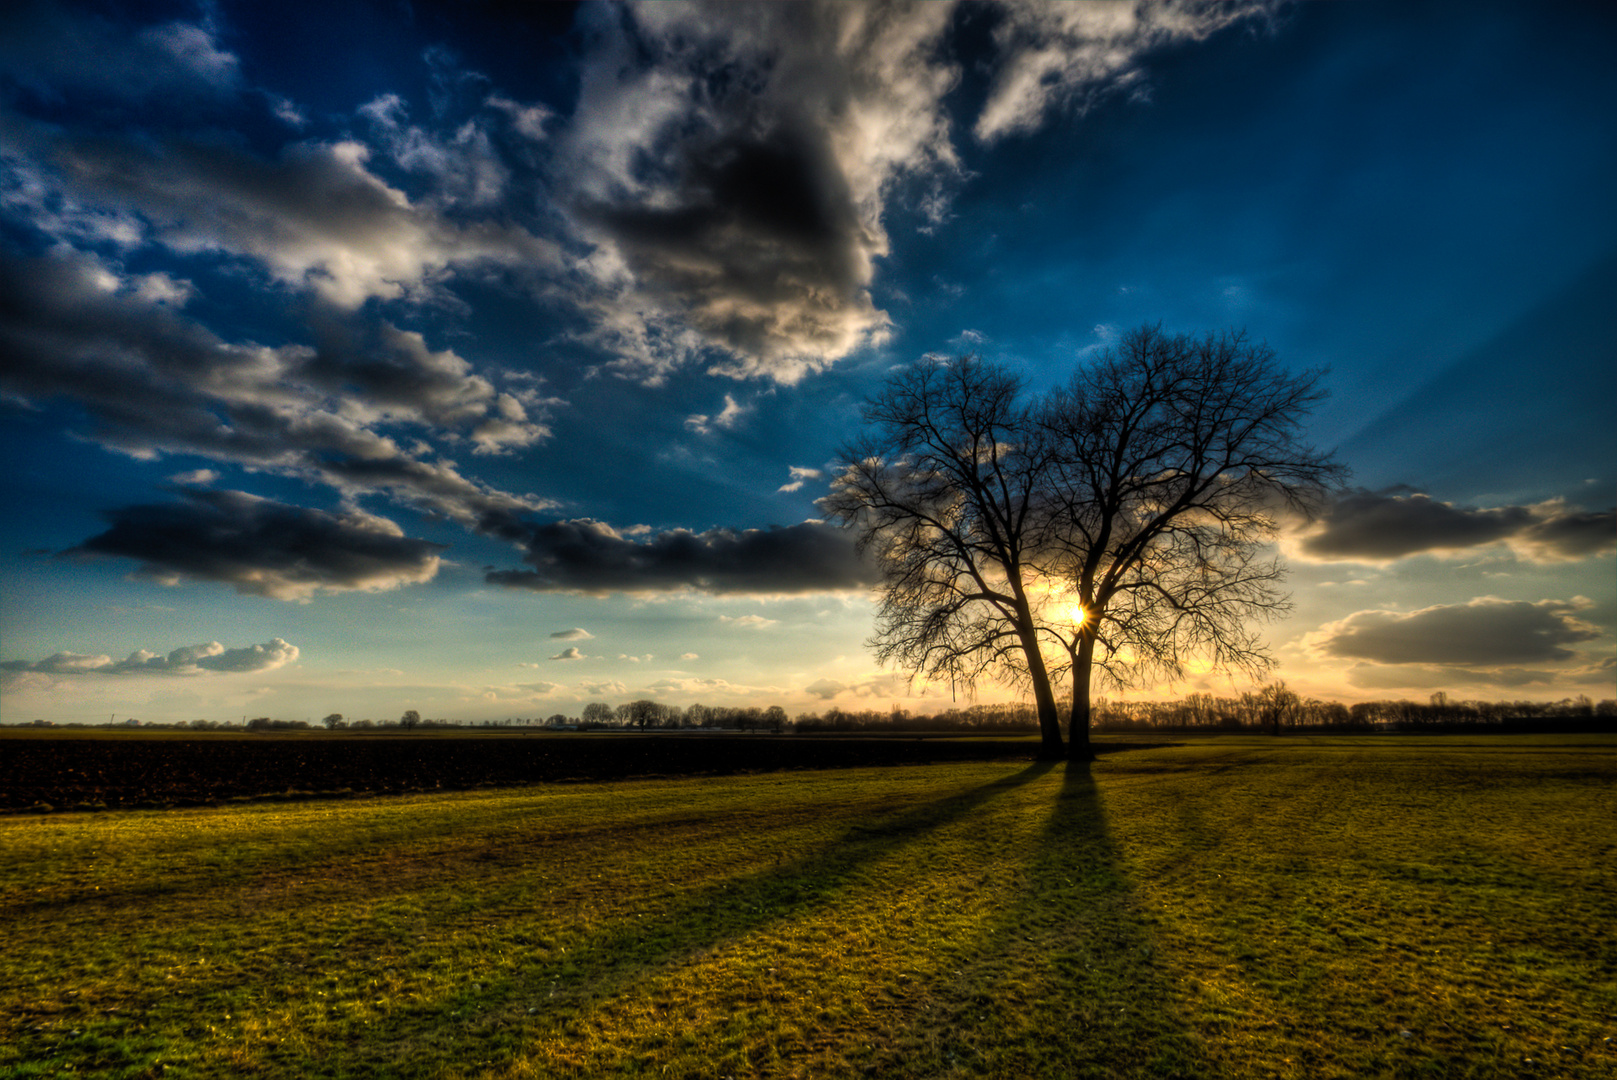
(1119, 522)
(1174, 458)
(947, 490)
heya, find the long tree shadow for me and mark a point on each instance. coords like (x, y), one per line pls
(1067, 982)
(613, 960)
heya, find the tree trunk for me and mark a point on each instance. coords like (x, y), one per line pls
(1039, 676)
(1044, 699)
(1078, 748)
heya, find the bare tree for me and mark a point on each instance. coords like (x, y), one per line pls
(1174, 459)
(945, 491)
(1121, 523)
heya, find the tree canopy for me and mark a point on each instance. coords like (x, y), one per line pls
(1120, 522)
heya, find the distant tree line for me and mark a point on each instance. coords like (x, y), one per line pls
(1272, 708)
(1276, 709)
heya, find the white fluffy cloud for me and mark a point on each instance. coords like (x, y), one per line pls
(1067, 56)
(726, 419)
(313, 217)
(799, 476)
(187, 660)
(749, 622)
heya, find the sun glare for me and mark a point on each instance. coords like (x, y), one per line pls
(1076, 615)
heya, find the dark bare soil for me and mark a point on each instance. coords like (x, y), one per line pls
(91, 773)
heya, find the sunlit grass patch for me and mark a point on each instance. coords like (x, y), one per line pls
(1234, 907)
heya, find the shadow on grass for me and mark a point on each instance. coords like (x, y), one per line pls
(610, 962)
(1067, 982)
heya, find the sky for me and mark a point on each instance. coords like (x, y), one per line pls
(488, 359)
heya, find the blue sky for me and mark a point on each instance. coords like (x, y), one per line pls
(489, 361)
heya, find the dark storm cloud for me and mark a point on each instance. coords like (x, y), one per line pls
(263, 548)
(733, 163)
(762, 250)
(1381, 527)
(589, 557)
(152, 382)
(1571, 534)
(189, 660)
(1483, 633)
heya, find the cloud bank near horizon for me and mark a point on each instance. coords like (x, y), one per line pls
(209, 657)
(1382, 527)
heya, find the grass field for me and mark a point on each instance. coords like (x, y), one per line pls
(1230, 907)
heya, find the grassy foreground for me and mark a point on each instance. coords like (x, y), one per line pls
(1234, 907)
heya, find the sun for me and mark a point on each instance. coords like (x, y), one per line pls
(1076, 614)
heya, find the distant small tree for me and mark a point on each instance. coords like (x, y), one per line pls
(597, 712)
(410, 719)
(1277, 704)
(333, 722)
(775, 718)
(640, 714)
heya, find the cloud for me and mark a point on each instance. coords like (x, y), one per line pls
(709, 689)
(188, 660)
(799, 475)
(464, 167)
(825, 689)
(570, 653)
(689, 656)
(724, 421)
(54, 47)
(1428, 677)
(577, 633)
(1486, 632)
(1069, 56)
(751, 622)
(314, 217)
(152, 382)
(198, 477)
(264, 548)
(880, 685)
(732, 165)
(585, 556)
(602, 687)
(1379, 527)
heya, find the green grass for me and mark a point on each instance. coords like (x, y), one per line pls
(1234, 907)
